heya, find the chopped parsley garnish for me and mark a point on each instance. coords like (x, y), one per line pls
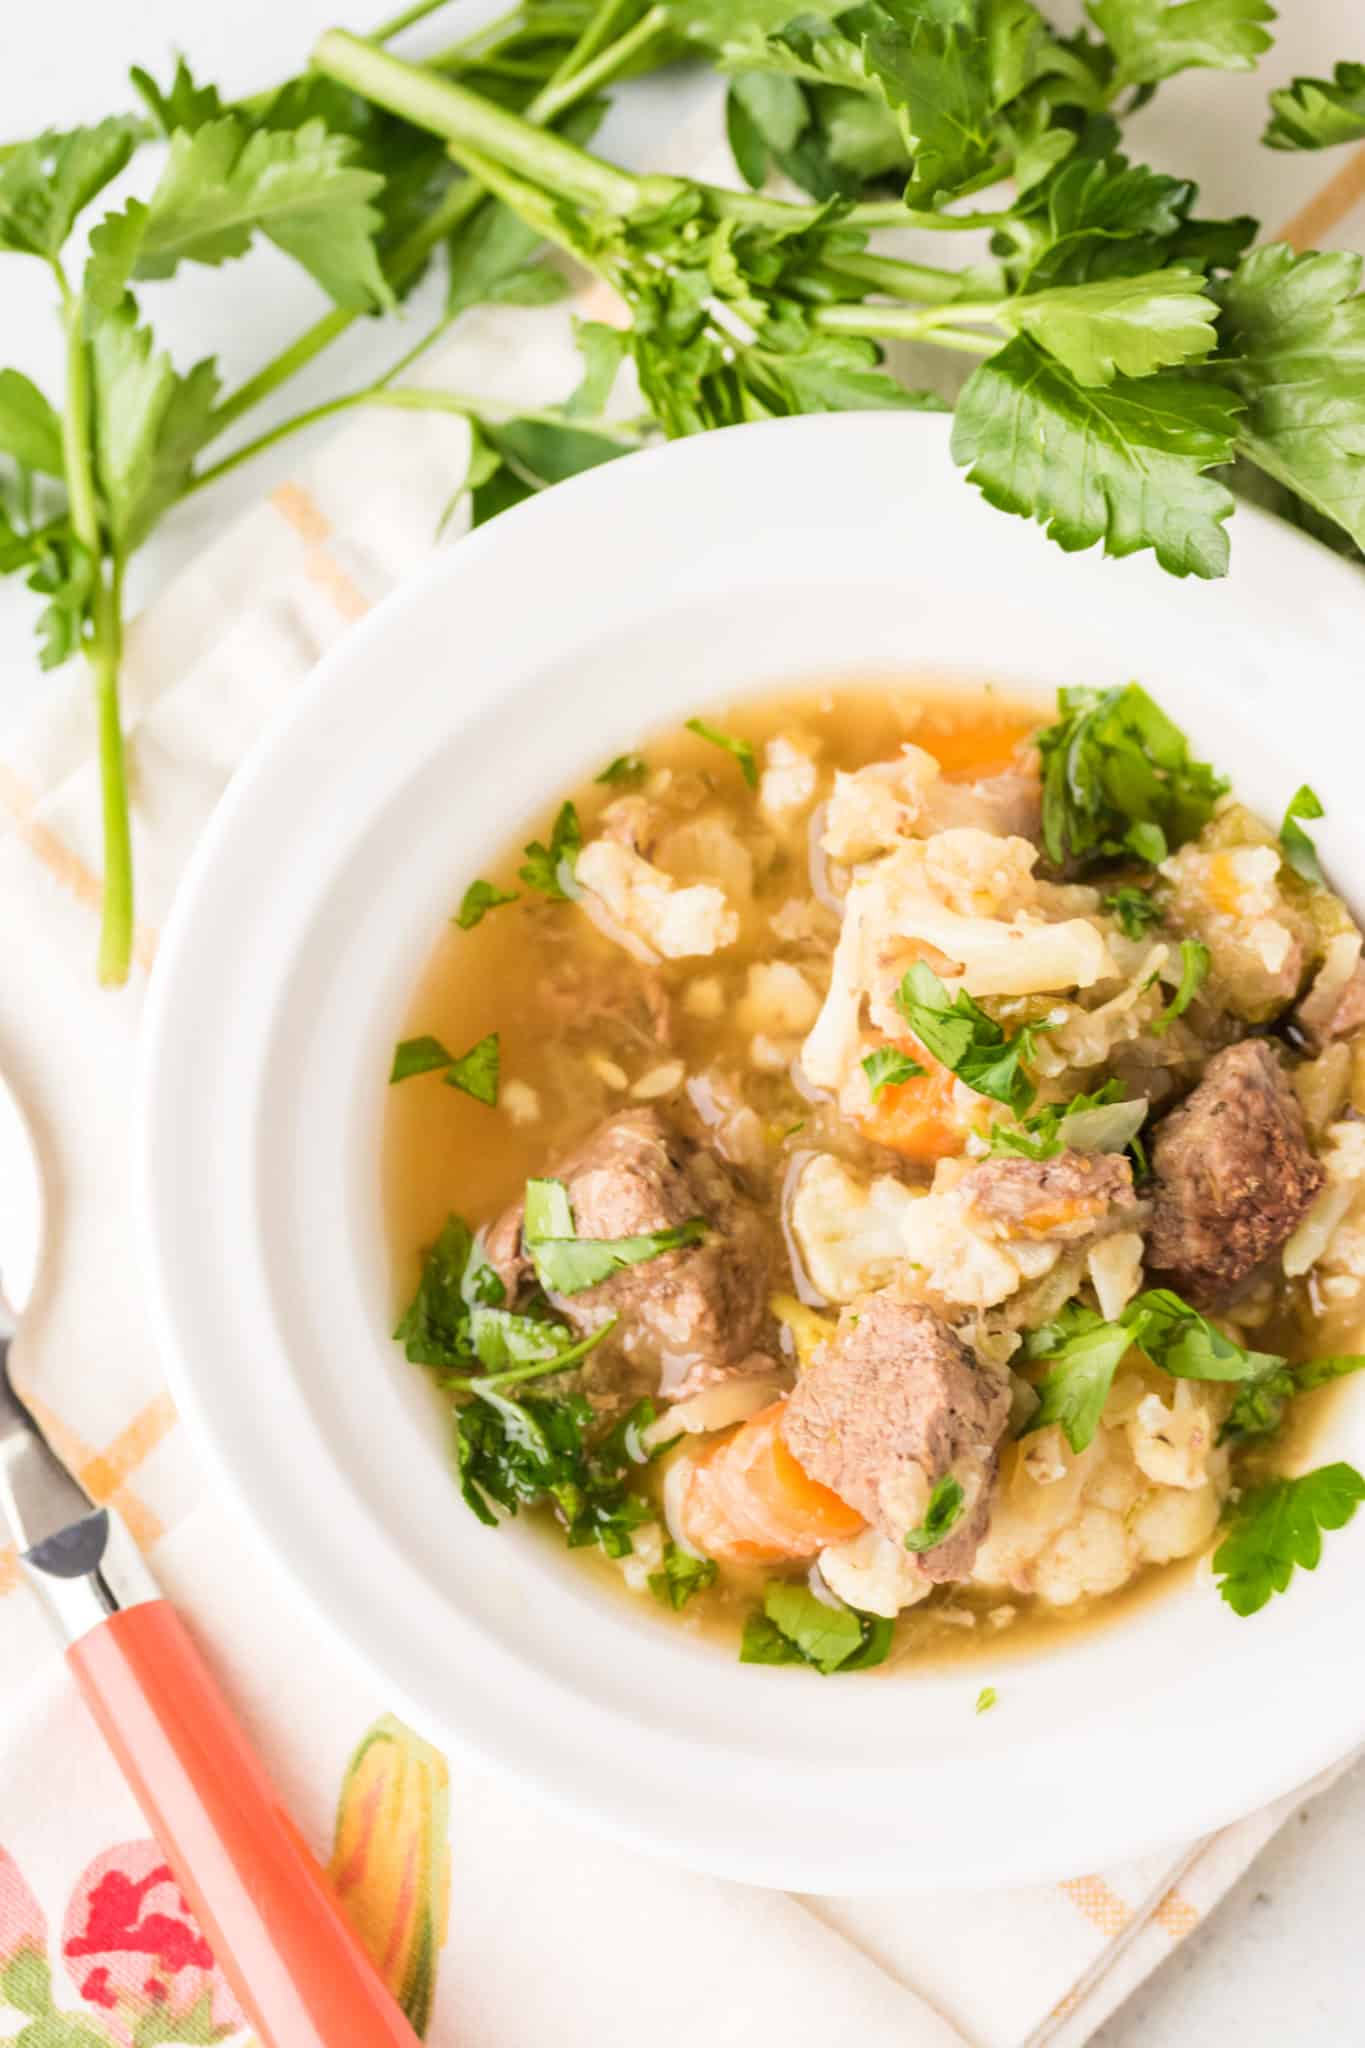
(986, 1699)
(957, 1032)
(479, 898)
(680, 1576)
(625, 772)
(475, 1071)
(550, 869)
(741, 749)
(1101, 1122)
(1194, 972)
(1136, 910)
(887, 1067)
(1085, 1352)
(535, 1453)
(1260, 1404)
(1118, 779)
(941, 1517)
(797, 1628)
(1295, 844)
(568, 1264)
(1274, 1528)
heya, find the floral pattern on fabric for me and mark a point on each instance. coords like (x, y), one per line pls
(143, 1975)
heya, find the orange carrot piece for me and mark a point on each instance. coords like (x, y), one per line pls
(747, 1500)
(918, 1118)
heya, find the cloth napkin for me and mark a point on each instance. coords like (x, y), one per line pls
(519, 1928)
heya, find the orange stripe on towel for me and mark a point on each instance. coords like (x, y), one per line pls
(1329, 206)
(1099, 1902)
(66, 868)
(1176, 1915)
(302, 512)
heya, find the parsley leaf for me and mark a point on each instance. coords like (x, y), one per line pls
(1194, 971)
(569, 1265)
(551, 868)
(626, 771)
(1153, 39)
(986, 1699)
(741, 749)
(495, 259)
(1276, 1527)
(681, 1576)
(184, 104)
(1293, 347)
(1260, 1404)
(149, 422)
(479, 898)
(223, 183)
(1295, 844)
(1122, 464)
(1108, 325)
(1085, 1352)
(535, 1453)
(475, 1071)
(797, 1628)
(1317, 113)
(30, 431)
(887, 1067)
(958, 1033)
(1186, 1345)
(1100, 1122)
(434, 1327)
(45, 184)
(1136, 910)
(941, 1517)
(1113, 764)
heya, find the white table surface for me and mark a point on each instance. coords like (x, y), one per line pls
(1283, 1959)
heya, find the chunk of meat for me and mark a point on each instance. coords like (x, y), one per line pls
(1074, 1195)
(1334, 1007)
(700, 1312)
(893, 1405)
(1234, 1174)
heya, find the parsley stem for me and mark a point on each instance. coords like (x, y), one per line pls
(104, 646)
(596, 31)
(448, 109)
(454, 209)
(905, 323)
(562, 93)
(408, 18)
(899, 280)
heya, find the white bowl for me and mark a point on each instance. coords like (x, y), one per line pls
(549, 641)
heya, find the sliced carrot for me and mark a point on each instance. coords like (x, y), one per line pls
(747, 1500)
(919, 1117)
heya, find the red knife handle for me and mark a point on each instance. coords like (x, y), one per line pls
(298, 1970)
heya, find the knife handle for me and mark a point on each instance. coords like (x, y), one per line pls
(297, 1968)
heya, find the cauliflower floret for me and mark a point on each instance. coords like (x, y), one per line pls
(777, 1000)
(789, 780)
(1230, 897)
(707, 849)
(874, 1574)
(875, 808)
(850, 1233)
(1087, 1530)
(646, 911)
(1171, 1442)
(925, 902)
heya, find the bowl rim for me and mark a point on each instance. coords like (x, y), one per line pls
(603, 494)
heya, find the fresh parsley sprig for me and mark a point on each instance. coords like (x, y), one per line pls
(796, 1627)
(568, 1264)
(475, 1072)
(1119, 780)
(941, 1516)
(1276, 1529)
(959, 1034)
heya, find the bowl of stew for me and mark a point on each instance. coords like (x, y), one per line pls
(773, 1075)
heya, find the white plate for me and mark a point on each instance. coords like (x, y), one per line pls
(551, 640)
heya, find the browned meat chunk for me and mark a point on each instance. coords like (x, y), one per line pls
(1073, 1195)
(699, 1312)
(1234, 1175)
(894, 1403)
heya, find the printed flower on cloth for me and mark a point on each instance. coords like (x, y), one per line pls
(131, 1968)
